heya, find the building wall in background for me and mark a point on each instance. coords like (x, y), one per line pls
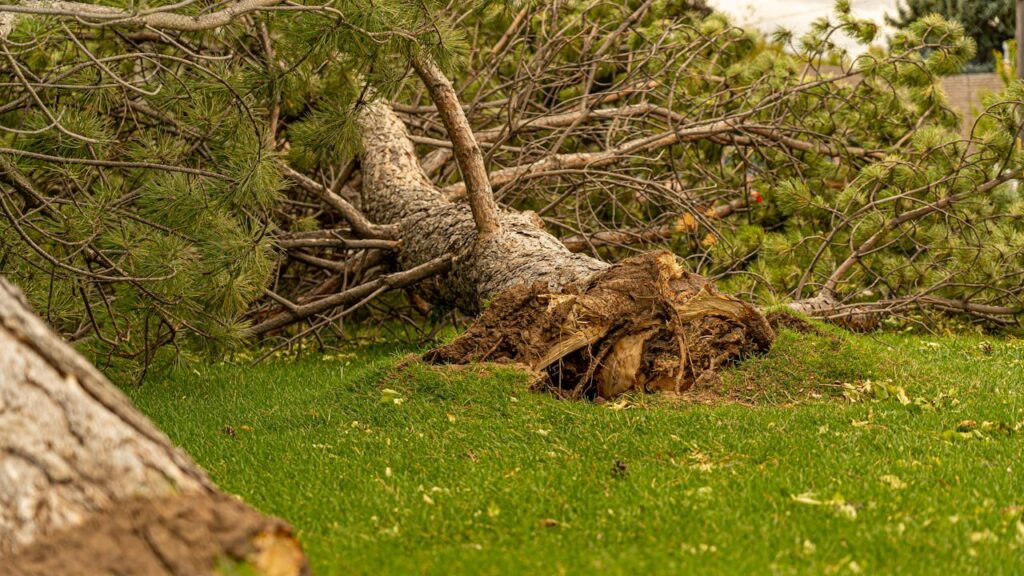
(965, 91)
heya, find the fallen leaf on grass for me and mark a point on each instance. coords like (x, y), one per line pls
(875, 390)
(808, 498)
(867, 424)
(700, 548)
(984, 536)
(1013, 510)
(621, 404)
(894, 482)
(388, 395)
(702, 493)
(987, 430)
(837, 504)
(966, 425)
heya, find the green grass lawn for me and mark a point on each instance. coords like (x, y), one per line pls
(464, 471)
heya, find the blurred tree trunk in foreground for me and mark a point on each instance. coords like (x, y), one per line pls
(89, 486)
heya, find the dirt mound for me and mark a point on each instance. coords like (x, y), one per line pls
(643, 324)
(187, 535)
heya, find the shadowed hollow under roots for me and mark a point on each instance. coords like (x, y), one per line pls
(644, 324)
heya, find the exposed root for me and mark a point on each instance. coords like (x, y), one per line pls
(644, 324)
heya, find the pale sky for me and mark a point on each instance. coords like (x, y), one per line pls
(797, 15)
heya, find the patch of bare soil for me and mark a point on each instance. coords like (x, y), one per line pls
(184, 535)
(644, 324)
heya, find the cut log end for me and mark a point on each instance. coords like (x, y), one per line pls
(644, 324)
(191, 534)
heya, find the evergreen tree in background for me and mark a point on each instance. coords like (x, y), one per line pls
(988, 22)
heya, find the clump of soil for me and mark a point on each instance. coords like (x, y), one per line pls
(644, 324)
(187, 535)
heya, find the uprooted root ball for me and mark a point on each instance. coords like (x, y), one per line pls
(644, 324)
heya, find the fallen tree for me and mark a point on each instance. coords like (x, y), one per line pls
(89, 486)
(192, 174)
(591, 328)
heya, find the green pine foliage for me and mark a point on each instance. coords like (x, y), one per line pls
(815, 208)
(175, 248)
(988, 22)
(160, 176)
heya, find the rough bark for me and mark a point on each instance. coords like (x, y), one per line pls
(854, 317)
(396, 191)
(89, 486)
(586, 326)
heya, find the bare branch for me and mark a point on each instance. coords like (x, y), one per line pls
(160, 18)
(360, 223)
(467, 153)
(389, 282)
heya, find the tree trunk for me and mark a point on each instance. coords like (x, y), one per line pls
(588, 327)
(396, 191)
(89, 486)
